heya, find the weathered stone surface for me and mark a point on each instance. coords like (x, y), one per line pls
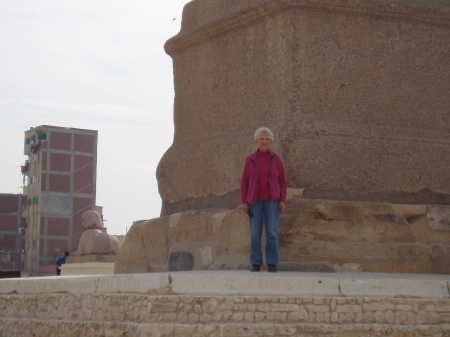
(365, 233)
(214, 237)
(356, 92)
(314, 235)
(438, 217)
(440, 259)
(146, 247)
(311, 266)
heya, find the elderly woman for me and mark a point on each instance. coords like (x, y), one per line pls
(263, 196)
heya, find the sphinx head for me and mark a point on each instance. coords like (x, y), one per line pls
(91, 220)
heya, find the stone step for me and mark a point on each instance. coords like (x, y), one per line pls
(223, 309)
(227, 303)
(242, 283)
(68, 328)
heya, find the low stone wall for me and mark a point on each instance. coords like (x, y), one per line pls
(338, 235)
(156, 305)
(171, 315)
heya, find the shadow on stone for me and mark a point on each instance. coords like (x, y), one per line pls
(181, 261)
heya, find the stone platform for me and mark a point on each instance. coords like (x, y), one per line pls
(88, 268)
(95, 264)
(227, 303)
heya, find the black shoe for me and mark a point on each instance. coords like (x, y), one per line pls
(272, 268)
(255, 267)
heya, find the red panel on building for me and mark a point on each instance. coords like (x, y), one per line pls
(87, 190)
(42, 226)
(77, 231)
(60, 140)
(81, 161)
(8, 241)
(60, 162)
(9, 203)
(41, 248)
(56, 247)
(58, 226)
(81, 205)
(85, 143)
(59, 183)
(44, 182)
(44, 160)
(8, 222)
(82, 179)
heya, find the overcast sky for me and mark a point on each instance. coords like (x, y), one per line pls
(92, 64)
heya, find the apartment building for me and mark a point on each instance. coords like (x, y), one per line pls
(59, 185)
(12, 231)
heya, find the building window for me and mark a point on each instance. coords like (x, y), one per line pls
(41, 135)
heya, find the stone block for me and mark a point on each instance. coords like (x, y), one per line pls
(204, 257)
(440, 259)
(352, 119)
(438, 218)
(398, 286)
(213, 283)
(379, 237)
(88, 284)
(145, 249)
(314, 235)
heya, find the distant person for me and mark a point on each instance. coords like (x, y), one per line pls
(60, 261)
(263, 196)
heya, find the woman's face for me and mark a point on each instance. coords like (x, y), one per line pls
(263, 142)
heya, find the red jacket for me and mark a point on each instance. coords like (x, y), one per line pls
(249, 180)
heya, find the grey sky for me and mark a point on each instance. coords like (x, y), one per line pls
(99, 65)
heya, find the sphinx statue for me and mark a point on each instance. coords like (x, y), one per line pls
(93, 240)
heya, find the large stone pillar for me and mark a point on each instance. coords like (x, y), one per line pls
(356, 91)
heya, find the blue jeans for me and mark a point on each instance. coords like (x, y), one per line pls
(264, 211)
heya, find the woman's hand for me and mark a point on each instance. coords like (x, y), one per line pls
(245, 207)
(282, 206)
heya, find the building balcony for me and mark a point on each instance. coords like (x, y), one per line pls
(24, 167)
(27, 149)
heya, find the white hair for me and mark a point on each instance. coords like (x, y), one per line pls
(263, 130)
